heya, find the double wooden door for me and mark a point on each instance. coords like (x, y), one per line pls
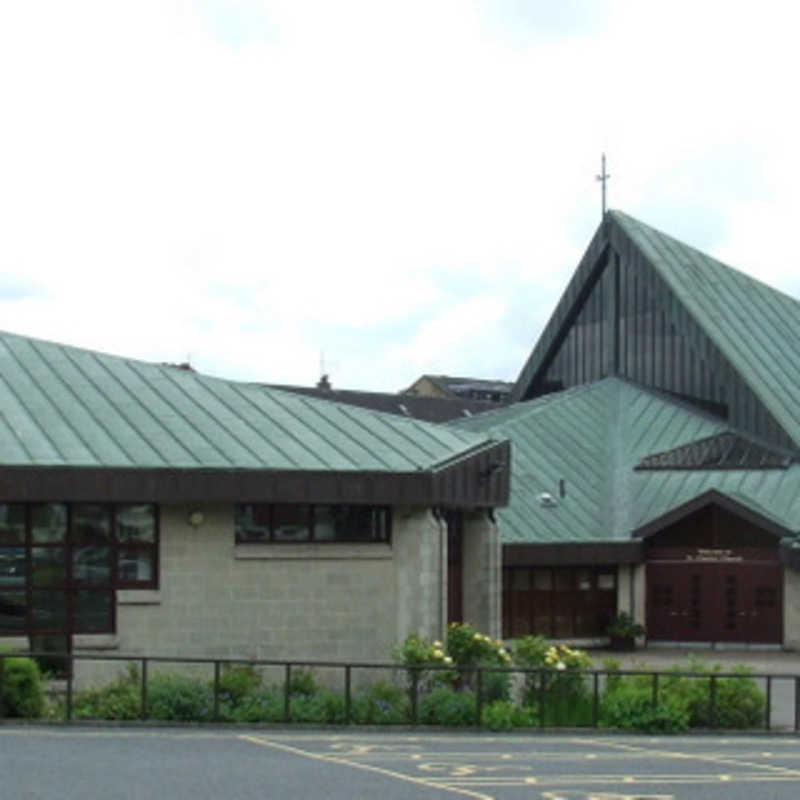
(715, 602)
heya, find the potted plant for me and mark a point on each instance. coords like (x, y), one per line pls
(622, 632)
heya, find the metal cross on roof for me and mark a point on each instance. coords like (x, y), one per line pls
(603, 178)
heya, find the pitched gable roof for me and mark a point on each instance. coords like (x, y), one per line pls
(756, 327)
(739, 324)
(117, 420)
(591, 437)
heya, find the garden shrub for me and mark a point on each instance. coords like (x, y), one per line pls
(469, 648)
(178, 698)
(322, 707)
(302, 683)
(417, 653)
(630, 706)
(236, 683)
(739, 702)
(21, 690)
(503, 715)
(383, 703)
(119, 700)
(559, 683)
(445, 706)
(262, 706)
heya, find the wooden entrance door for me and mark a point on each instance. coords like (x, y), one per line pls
(714, 602)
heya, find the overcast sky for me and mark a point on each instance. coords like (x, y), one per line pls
(404, 187)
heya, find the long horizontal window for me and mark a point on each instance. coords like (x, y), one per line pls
(60, 564)
(285, 522)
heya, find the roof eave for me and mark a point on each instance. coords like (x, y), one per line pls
(470, 482)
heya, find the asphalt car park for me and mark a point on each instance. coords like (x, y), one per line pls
(72, 762)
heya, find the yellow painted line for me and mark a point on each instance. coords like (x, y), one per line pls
(689, 756)
(428, 784)
(609, 780)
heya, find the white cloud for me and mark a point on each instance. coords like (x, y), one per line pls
(253, 183)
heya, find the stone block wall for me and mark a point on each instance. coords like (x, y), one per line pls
(283, 601)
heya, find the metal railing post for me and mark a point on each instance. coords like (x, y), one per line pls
(216, 690)
(414, 695)
(286, 699)
(478, 696)
(712, 701)
(2, 681)
(797, 704)
(768, 714)
(144, 712)
(541, 698)
(347, 694)
(70, 678)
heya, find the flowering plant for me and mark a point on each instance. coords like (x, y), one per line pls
(464, 649)
(560, 657)
(560, 669)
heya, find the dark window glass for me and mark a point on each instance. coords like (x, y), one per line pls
(91, 524)
(350, 524)
(12, 611)
(91, 565)
(93, 612)
(12, 524)
(48, 523)
(49, 566)
(252, 523)
(12, 567)
(135, 565)
(60, 565)
(291, 523)
(49, 610)
(136, 524)
(301, 523)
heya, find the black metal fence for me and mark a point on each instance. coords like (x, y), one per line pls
(781, 692)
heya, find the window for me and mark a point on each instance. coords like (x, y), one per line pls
(559, 602)
(61, 564)
(296, 523)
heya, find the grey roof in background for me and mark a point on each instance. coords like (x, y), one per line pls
(62, 406)
(456, 386)
(428, 409)
(592, 437)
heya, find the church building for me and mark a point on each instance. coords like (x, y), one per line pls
(655, 432)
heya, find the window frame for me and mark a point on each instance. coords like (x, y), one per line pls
(77, 592)
(381, 522)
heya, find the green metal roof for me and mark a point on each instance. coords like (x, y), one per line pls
(756, 327)
(592, 437)
(65, 407)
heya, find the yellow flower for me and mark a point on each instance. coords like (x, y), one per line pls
(448, 660)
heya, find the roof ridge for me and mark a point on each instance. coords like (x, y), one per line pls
(624, 219)
(739, 315)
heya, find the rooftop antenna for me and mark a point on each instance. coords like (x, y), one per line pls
(603, 178)
(324, 381)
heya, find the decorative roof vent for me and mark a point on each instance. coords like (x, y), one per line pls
(546, 500)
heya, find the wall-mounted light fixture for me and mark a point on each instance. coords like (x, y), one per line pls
(195, 517)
